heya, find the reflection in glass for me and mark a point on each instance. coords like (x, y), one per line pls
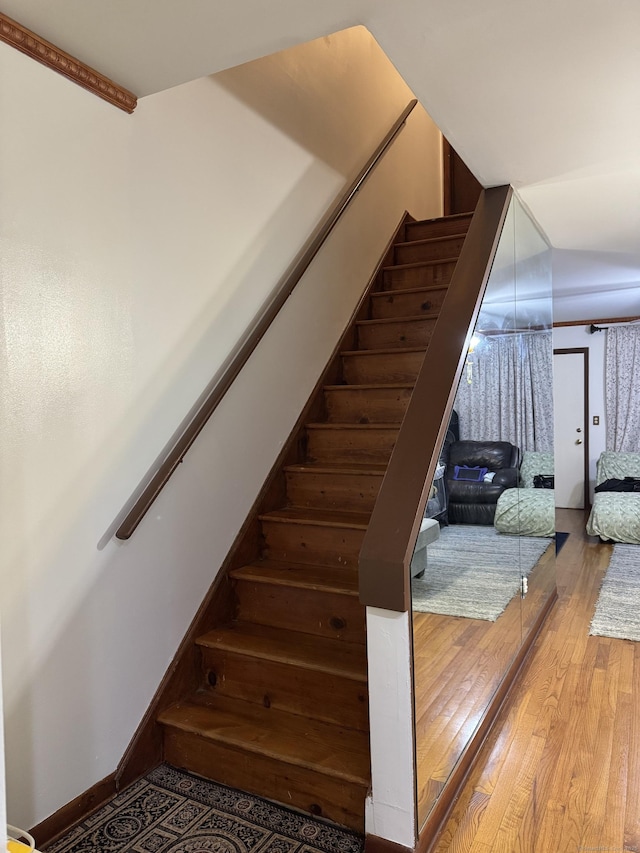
(484, 560)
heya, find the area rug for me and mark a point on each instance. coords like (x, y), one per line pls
(474, 571)
(617, 613)
(170, 811)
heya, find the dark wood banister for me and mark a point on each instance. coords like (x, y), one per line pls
(172, 456)
(388, 543)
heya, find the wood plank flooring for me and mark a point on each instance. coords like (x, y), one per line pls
(561, 770)
(458, 665)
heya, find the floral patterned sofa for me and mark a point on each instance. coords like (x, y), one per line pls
(527, 511)
(615, 516)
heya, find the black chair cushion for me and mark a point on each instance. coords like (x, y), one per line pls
(493, 455)
(474, 493)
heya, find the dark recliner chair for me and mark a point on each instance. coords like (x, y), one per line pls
(475, 502)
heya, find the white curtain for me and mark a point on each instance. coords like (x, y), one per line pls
(506, 391)
(622, 379)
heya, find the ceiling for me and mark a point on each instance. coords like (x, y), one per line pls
(545, 96)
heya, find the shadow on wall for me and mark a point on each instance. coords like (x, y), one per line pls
(64, 723)
(285, 88)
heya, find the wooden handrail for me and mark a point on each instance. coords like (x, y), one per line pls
(388, 543)
(173, 454)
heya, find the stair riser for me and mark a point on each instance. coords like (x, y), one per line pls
(431, 230)
(447, 247)
(324, 614)
(407, 304)
(382, 368)
(350, 492)
(429, 275)
(370, 405)
(312, 544)
(267, 777)
(350, 445)
(319, 695)
(414, 333)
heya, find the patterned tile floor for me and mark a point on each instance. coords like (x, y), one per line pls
(170, 811)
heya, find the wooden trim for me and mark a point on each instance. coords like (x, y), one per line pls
(446, 177)
(388, 543)
(172, 456)
(595, 322)
(145, 748)
(430, 830)
(57, 824)
(460, 187)
(48, 54)
(503, 332)
(375, 844)
(586, 412)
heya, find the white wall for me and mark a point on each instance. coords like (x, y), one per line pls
(568, 337)
(134, 251)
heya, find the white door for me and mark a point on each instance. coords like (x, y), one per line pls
(570, 439)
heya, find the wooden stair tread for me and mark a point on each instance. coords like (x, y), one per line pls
(338, 426)
(322, 747)
(414, 264)
(385, 351)
(365, 468)
(320, 517)
(385, 321)
(372, 386)
(299, 575)
(426, 240)
(408, 290)
(335, 657)
(449, 218)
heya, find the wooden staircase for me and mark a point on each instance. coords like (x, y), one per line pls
(280, 707)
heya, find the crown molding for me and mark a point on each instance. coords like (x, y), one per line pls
(48, 54)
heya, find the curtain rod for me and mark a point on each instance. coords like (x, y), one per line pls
(593, 328)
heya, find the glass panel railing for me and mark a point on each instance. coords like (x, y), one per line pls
(534, 402)
(483, 564)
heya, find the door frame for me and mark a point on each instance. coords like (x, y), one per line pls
(460, 187)
(585, 354)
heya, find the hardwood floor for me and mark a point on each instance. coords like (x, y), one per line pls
(561, 770)
(458, 665)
